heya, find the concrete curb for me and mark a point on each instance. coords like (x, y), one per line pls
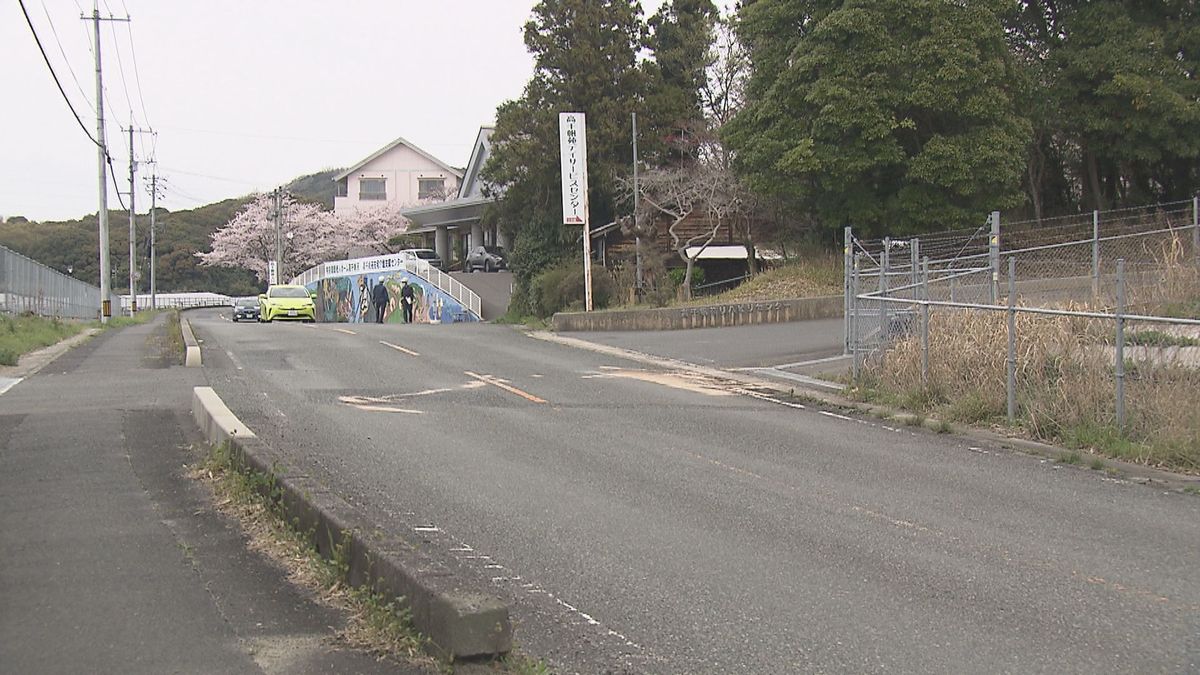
(460, 621)
(702, 316)
(1137, 473)
(191, 347)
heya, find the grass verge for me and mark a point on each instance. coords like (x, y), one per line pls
(376, 623)
(25, 333)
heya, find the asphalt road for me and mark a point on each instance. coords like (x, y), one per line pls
(649, 521)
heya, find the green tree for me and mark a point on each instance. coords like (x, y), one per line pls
(681, 39)
(888, 115)
(585, 59)
(1129, 76)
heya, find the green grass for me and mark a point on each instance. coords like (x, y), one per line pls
(1071, 458)
(123, 321)
(22, 334)
(1157, 338)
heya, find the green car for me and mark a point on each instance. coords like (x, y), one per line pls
(290, 303)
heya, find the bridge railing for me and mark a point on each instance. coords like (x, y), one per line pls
(394, 263)
(29, 286)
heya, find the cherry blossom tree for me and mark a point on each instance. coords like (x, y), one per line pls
(309, 235)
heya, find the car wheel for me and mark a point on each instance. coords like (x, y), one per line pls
(487, 266)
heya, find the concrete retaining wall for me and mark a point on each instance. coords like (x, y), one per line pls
(461, 621)
(703, 316)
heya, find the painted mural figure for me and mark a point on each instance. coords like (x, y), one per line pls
(380, 298)
(364, 300)
(406, 300)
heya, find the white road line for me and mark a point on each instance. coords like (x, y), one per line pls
(840, 417)
(236, 363)
(8, 383)
(764, 397)
(344, 330)
(399, 348)
(385, 408)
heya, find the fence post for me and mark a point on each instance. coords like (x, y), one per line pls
(1120, 355)
(1095, 255)
(914, 249)
(855, 348)
(847, 261)
(1196, 228)
(994, 256)
(925, 321)
(1012, 341)
(885, 263)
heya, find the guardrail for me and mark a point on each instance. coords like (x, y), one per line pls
(178, 301)
(27, 285)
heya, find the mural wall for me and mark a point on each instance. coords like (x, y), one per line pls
(347, 299)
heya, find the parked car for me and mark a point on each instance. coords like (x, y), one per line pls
(427, 254)
(285, 302)
(245, 308)
(486, 258)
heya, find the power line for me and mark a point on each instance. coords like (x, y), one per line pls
(55, 75)
(62, 51)
(138, 79)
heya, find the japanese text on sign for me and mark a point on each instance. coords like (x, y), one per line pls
(572, 136)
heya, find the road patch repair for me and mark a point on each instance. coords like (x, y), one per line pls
(460, 621)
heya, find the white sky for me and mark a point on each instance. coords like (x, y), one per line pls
(245, 94)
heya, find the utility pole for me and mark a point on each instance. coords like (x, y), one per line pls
(153, 250)
(132, 227)
(102, 158)
(637, 241)
(278, 214)
(133, 286)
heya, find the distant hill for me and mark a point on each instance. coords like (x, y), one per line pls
(317, 187)
(72, 245)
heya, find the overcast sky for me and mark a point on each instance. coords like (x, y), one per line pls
(245, 95)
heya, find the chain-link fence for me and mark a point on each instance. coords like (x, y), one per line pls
(1062, 319)
(29, 286)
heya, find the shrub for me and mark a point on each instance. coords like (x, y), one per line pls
(560, 288)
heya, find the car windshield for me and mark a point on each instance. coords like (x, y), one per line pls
(247, 302)
(494, 250)
(289, 292)
(425, 254)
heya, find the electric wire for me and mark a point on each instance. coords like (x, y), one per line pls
(63, 52)
(55, 75)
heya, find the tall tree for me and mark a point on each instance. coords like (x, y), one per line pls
(681, 38)
(883, 114)
(585, 59)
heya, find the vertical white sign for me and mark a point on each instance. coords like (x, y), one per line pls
(572, 138)
(272, 272)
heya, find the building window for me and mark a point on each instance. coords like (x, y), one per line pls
(372, 188)
(343, 188)
(431, 188)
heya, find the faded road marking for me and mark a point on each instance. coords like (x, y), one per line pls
(387, 408)
(495, 382)
(7, 383)
(344, 330)
(399, 348)
(686, 381)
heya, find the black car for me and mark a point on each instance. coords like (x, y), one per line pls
(486, 258)
(245, 308)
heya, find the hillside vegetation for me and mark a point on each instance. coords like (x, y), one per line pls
(73, 244)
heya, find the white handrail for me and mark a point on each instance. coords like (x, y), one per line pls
(421, 268)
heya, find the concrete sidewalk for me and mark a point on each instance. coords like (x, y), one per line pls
(111, 559)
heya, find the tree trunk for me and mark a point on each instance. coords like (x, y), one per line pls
(686, 288)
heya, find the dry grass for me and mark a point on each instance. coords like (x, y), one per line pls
(376, 625)
(815, 275)
(1065, 377)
